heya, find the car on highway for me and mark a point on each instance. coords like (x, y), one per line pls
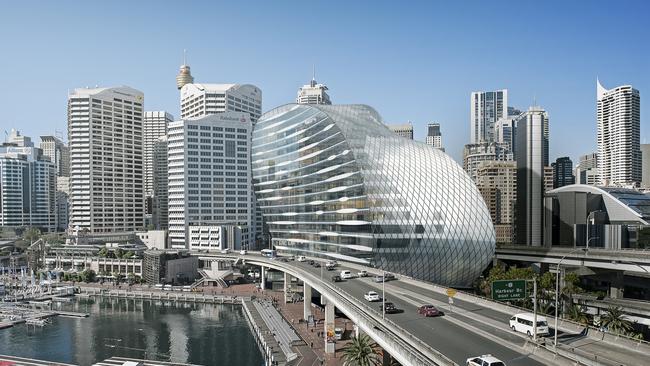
(301, 258)
(385, 278)
(336, 278)
(429, 310)
(362, 273)
(316, 264)
(371, 296)
(330, 264)
(485, 360)
(523, 323)
(225, 251)
(346, 275)
(243, 252)
(311, 262)
(329, 267)
(390, 308)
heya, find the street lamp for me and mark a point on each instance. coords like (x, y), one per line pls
(383, 294)
(557, 286)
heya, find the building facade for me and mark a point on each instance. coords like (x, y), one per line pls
(154, 127)
(586, 171)
(645, 166)
(505, 133)
(335, 182)
(160, 201)
(619, 120)
(27, 187)
(313, 93)
(497, 182)
(59, 154)
(532, 175)
(62, 203)
(486, 108)
(563, 172)
(434, 136)
(474, 154)
(198, 100)
(405, 130)
(210, 176)
(106, 169)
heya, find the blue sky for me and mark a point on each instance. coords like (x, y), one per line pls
(414, 61)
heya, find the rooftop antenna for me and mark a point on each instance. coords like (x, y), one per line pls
(184, 57)
(313, 72)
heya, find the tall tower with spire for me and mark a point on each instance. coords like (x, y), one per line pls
(313, 93)
(184, 75)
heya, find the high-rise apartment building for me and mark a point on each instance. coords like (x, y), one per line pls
(59, 154)
(160, 202)
(532, 175)
(645, 165)
(434, 136)
(313, 93)
(198, 100)
(404, 130)
(154, 127)
(106, 171)
(210, 184)
(563, 172)
(497, 182)
(486, 108)
(586, 171)
(504, 132)
(619, 119)
(474, 154)
(62, 203)
(27, 186)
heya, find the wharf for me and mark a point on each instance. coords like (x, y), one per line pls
(163, 295)
(13, 360)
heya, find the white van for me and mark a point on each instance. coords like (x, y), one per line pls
(523, 323)
(346, 275)
(301, 258)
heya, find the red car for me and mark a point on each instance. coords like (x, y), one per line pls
(429, 310)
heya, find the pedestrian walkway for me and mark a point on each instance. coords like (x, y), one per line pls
(283, 332)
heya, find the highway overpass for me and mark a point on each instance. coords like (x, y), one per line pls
(473, 327)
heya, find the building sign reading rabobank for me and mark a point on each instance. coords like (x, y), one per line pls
(229, 117)
(505, 290)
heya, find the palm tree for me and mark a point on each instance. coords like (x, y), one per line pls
(615, 321)
(361, 351)
(576, 314)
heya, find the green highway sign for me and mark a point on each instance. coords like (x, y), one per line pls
(505, 290)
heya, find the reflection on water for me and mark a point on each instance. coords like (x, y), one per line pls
(163, 330)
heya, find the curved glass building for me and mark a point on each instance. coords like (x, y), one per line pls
(335, 182)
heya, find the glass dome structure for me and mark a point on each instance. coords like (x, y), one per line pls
(335, 182)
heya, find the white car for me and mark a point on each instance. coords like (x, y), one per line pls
(243, 252)
(371, 296)
(346, 275)
(485, 360)
(225, 251)
(301, 258)
(362, 274)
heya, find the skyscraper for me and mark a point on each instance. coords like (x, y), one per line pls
(587, 170)
(532, 159)
(106, 172)
(58, 153)
(504, 132)
(19, 140)
(27, 186)
(486, 108)
(160, 202)
(198, 100)
(497, 182)
(154, 126)
(404, 130)
(210, 184)
(619, 153)
(563, 172)
(313, 93)
(645, 165)
(434, 136)
(474, 154)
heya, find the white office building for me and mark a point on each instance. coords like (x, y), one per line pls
(16, 139)
(313, 93)
(198, 100)
(210, 180)
(434, 136)
(404, 130)
(619, 151)
(154, 127)
(58, 152)
(486, 108)
(106, 171)
(27, 187)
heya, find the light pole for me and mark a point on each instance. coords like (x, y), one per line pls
(557, 287)
(383, 294)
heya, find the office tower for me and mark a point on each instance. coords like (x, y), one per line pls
(497, 182)
(198, 100)
(504, 132)
(27, 185)
(586, 171)
(62, 203)
(313, 93)
(154, 126)
(486, 108)
(58, 153)
(160, 184)
(404, 130)
(210, 184)
(434, 136)
(563, 172)
(474, 154)
(16, 139)
(645, 165)
(532, 175)
(106, 173)
(619, 153)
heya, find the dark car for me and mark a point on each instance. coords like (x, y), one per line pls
(429, 310)
(317, 264)
(389, 276)
(390, 308)
(336, 278)
(311, 262)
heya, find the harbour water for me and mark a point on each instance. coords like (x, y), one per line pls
(195, 333)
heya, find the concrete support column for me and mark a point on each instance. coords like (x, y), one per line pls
(387, 358)
(616, 286)
(329, 328)
(306, 301)
(263, 278)
(287, 282)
